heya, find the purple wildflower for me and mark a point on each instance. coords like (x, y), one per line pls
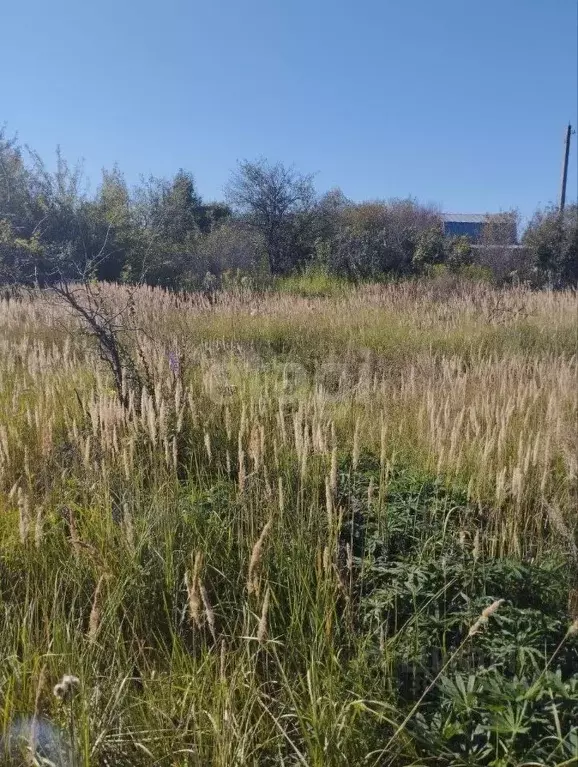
(174, 363)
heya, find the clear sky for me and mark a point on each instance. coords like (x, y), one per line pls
(459, 102)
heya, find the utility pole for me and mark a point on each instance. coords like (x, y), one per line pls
(569, 132)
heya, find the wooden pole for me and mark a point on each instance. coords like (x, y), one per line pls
(565, 168)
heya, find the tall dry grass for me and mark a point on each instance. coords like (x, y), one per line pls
(213, 496)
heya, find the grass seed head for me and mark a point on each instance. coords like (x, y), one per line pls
(486, 613)
(192, 581)
(255, 561)
(96, 610)
(209, 612)
(262, 628)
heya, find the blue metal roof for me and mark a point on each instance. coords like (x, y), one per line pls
(477, 218)
(465, 218)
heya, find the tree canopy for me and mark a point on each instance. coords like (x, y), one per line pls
(271, 222)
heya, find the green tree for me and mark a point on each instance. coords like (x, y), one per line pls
(42, 235)
(180, 209)
(552, 238)
(212, 215)
(111, 219)
(16, 202)
(168, 216)
(20, 257)
(279, 203)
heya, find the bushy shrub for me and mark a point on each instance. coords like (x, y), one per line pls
(552, 240)
(377, 238)
(229, 248)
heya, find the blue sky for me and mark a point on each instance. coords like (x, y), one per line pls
(462, 103)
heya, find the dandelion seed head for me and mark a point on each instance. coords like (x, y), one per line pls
(67, 687)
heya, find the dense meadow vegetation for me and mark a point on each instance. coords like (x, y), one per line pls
(321, 525)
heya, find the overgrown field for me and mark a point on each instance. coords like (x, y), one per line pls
(330, 531)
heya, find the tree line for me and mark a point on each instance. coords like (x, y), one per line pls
(271, 222)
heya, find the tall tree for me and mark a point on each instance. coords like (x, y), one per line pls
(279, 202)
(15, 187)
(180, 209)
(112, 222)
(168, 213)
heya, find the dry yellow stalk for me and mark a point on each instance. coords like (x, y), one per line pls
(39, 527)
(96, 610)
(254, 449)
(23, 515)
(255, 561)
(281, 496)
(241, 471)
(333, 471)
(487, 612)
(209, 612)
(223, 660)
(262, 628)
(329, 504)
(192, 581)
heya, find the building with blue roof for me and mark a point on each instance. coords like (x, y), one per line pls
(472, 225)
